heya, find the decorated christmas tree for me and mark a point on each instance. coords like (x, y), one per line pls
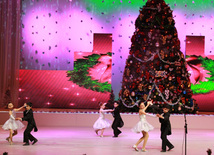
(155, 68)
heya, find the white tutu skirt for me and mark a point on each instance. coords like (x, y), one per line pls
(12, 124)
(101, 123)
(142, 126)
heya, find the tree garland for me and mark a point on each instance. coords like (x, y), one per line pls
(137, 102)
(152, 57)
(165, 99)
(130, 106)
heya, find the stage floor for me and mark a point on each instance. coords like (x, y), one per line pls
(84, 141)
(87, 110)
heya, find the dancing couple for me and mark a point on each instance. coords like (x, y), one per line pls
(13, 124)
(144, 127)
(103, 123)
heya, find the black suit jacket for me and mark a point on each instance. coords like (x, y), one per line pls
(28, 116)
(165, 123)
(117, 118)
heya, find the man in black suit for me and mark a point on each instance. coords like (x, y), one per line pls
(165, 128)
(118, 122)
(28, 116)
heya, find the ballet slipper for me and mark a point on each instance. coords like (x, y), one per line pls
(101, 135)
(7, 139)
(135, 148)
(10, 141)
(144, 150)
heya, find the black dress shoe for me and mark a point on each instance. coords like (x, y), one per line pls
(26, 144)
(163, 150)
(115, 136)
(35, 141)
(170, 148)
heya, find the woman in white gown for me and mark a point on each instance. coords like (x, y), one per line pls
(102, 123)
(142, 127)
(12, 124)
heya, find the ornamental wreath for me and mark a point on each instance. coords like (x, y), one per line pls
(79, 74)
(203, 87)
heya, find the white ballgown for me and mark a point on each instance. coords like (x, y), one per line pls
(142, 125)
(13, 124)
(101, 122)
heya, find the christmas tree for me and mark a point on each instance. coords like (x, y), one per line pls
(155, 68)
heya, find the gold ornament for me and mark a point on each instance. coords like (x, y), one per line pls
(170, 20)
(164, 39)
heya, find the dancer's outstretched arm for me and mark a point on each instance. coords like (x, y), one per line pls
(18, 109)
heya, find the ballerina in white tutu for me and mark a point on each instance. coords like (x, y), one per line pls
(11, 124)
(101, 122)
(142, 127)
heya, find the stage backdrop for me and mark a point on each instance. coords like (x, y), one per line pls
(74, 51)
